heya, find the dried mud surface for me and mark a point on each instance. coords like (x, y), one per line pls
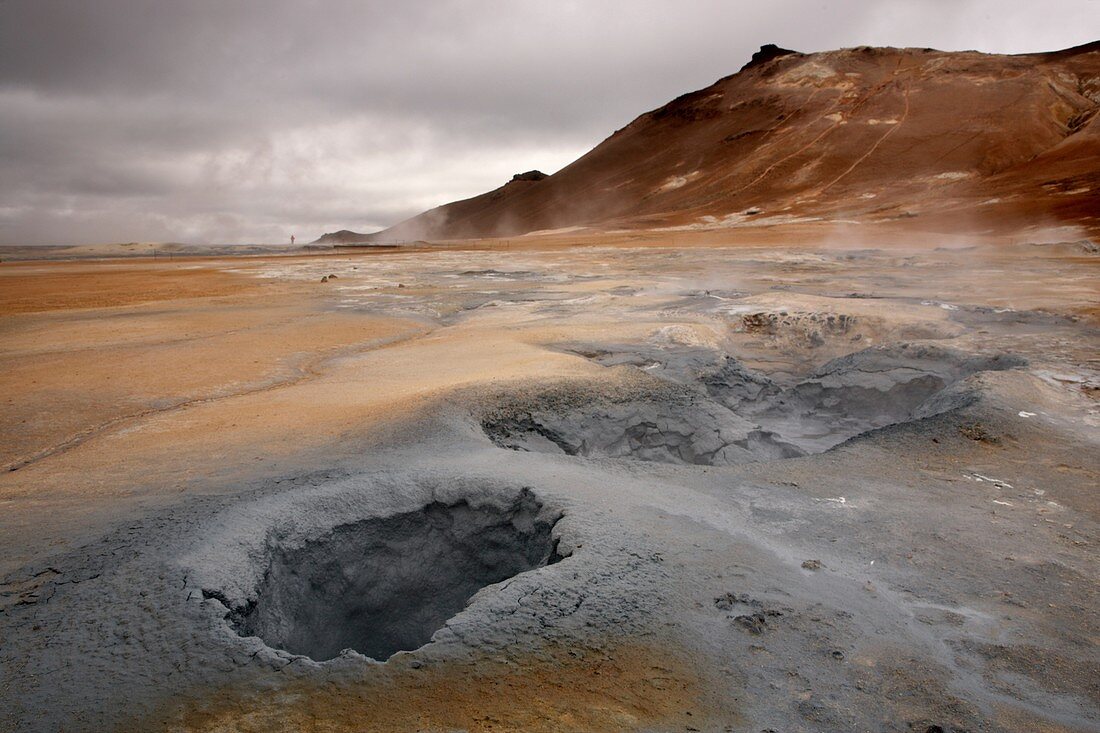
(786, 480)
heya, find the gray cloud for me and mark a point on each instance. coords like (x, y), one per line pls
(250, 120)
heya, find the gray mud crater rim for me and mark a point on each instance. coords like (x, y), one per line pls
(386, 584)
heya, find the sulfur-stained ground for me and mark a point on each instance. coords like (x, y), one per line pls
(923, 558)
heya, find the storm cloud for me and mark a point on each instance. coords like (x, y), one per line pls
(247, 121)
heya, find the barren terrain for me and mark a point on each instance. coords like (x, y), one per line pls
(966, 139)
(802, 477)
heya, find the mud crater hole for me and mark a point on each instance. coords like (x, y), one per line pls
(387, 584)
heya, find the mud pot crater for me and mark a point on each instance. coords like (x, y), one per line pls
(698, 406)
(386, 584)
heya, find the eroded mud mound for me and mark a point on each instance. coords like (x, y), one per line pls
(696, 431)
(641, 417)
(386, 584)
(696, 406)
(870, 389)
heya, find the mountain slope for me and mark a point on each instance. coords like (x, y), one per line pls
(870, 133)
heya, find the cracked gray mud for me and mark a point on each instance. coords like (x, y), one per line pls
(706, 408)
(387, 584)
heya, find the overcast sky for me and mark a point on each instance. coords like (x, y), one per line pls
(249, 121)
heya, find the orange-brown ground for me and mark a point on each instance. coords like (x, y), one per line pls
(623, 688)
(187, 371)
(129, 385)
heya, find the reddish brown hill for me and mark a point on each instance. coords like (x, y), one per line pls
(868, 133)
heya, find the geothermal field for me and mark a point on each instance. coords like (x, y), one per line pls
(775, 412)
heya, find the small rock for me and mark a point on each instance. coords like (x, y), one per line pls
(754, 623)
(811, 564)
(978, 432)
(729, 601)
